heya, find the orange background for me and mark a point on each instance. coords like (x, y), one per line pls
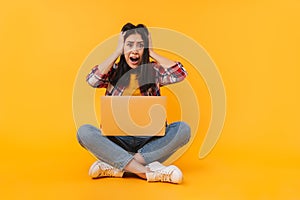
(255, 45)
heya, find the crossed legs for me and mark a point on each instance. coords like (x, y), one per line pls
(159, 149)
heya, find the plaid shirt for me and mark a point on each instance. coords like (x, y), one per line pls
(163, 77)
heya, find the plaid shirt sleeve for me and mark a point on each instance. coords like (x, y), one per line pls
(98, 80)
(170, 75)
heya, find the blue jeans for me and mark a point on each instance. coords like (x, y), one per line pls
(118, 151)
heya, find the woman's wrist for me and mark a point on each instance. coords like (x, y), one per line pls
(118, 52)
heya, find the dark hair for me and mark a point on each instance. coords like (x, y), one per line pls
(145, 72)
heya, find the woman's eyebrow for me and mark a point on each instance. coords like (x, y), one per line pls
(138, 41)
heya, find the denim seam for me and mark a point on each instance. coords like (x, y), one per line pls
(125, 163)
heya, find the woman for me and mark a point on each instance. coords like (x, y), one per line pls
(134, 74)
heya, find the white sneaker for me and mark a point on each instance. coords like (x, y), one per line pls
(163, 173)
(102, 169)
(154, 166)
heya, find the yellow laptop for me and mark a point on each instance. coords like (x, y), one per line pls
(133, 115)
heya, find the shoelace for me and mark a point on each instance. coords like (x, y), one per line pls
(105, 170)
(164, 175)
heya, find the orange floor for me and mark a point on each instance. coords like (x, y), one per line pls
(60, 172)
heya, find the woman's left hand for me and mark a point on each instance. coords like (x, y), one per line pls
(164, 62)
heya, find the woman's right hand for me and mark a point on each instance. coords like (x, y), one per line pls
(120, 46)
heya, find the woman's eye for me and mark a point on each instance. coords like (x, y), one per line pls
(129, 44)
(141, 45)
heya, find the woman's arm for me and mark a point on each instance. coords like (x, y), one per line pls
(163, 61)
(109, 62)
(173, 74)
(168, 70)
(98, 77)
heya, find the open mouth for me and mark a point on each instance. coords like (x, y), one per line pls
(134, 59)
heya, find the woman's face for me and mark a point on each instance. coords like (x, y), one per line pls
(133, 50)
